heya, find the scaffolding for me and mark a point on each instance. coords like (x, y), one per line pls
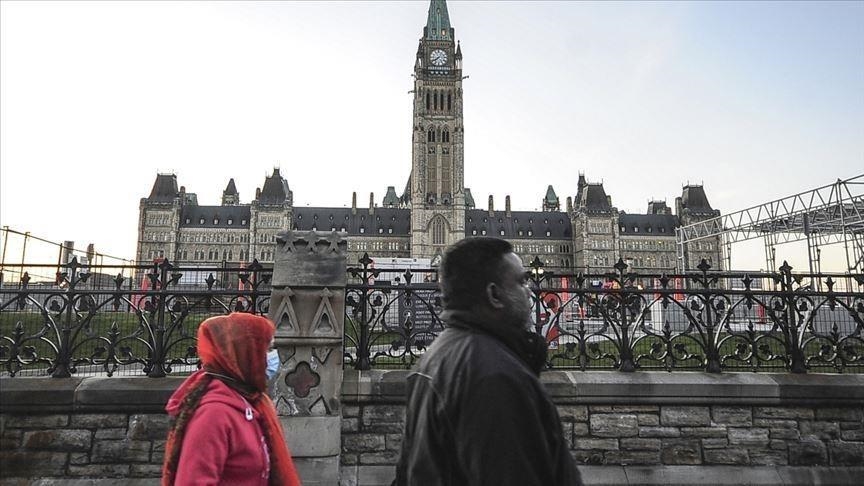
(828, 215)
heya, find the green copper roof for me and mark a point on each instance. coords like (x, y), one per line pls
(438, 22)
(551, 196)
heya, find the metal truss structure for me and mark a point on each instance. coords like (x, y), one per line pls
(828, 215)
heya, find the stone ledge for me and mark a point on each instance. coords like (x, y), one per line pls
(43, 395)
(719, 475)
(649, 387)
(85, 395)
(143, 395)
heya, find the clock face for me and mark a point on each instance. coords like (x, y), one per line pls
(438, 57)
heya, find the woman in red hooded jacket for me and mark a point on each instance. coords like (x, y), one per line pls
(225, 428)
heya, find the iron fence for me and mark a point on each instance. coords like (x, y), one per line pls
(704, 320)
(88, 321)
(91, 321)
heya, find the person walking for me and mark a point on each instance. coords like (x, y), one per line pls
(476, 412)
(225, 430)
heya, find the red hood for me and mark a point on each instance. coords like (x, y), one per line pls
(217, 392)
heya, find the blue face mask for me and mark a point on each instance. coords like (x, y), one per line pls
(272, 363)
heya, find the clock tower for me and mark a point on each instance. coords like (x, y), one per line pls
(436, 183)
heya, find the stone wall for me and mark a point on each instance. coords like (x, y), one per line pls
(111, 429)
(646, 428)
(772, 424)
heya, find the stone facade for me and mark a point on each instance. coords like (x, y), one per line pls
(435, 209)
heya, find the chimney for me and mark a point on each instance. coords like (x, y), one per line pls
(371, 203)
(569, 204)
(354, 202)
(507, 205)
(491, 206)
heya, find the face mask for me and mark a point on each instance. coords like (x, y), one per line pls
(272, 364)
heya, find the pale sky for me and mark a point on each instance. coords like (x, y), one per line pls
(757, 100)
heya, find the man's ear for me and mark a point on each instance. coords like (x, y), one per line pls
(493, 296)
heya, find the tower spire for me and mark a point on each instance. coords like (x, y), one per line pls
(438, 22)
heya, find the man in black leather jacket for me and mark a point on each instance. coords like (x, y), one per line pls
(476, 412)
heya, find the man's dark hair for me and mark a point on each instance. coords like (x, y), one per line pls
(467, 267)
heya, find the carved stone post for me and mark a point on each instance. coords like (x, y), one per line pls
(308, 306)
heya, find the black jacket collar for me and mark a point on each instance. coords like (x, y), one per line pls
(529, 346)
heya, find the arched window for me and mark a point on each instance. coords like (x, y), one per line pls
(449, 102)
(430, 137)
(438, 231)
(445, 136)
(427, 100)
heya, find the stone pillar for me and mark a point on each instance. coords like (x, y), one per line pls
(308, 306)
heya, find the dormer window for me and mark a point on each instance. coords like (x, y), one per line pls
(635, 229)
(243, 222)
(390, 231)
(548, 233)
(483, 232)
(380, 231)
(230, 221)
(215, 220)
(188, 220)
(530, 233)
(362, 230)
(201, 221)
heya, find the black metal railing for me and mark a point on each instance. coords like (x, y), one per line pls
(132, 320)
(704, 320)
(143, 320)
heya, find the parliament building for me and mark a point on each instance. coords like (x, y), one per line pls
(586, 233)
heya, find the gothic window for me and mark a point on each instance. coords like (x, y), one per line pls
(438, 231)
(449, 102)
(445, 136)
(427, 100)
(430, 137)
(435, 100)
